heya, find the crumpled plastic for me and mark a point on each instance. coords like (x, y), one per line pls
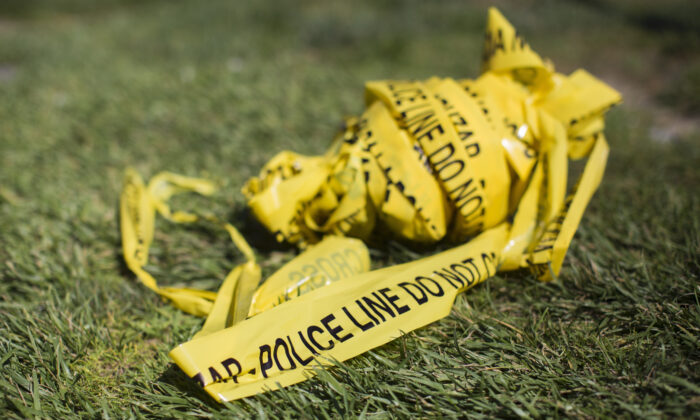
(446, 159)
(482, 163)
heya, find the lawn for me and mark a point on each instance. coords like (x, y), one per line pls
(215, 89)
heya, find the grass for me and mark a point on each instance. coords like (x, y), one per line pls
(89, 88)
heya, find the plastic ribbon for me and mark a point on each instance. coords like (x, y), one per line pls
(480, 162)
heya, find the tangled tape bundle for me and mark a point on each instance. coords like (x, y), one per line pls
(482, 163)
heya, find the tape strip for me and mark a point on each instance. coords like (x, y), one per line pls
(138, 206)
(483, 161)
(337, 321)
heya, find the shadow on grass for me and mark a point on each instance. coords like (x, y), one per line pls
(187, 387)
(124, 270)
(257, 235)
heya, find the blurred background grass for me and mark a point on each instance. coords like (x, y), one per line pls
(217, 88)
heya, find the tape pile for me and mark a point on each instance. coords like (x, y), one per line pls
(482, 162)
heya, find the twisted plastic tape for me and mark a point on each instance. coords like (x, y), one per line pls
(481, 162)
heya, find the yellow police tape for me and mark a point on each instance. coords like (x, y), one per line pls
(481, 162)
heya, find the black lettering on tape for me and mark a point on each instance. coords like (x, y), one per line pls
(301, 361)
(422, 122)
(461, 192)
(368, 313)
(477, 204)
(378, 305)
(487, 260)
(265, 365)
(316, 329)
(392, 299)
(409, 93)
(452, 172)
(470, 261)
(334, 331)
(363, 327)
(436, 288)
(445, 153)
(472, 149)
(420, 300)
(429, 132)
(215, 375)
(462, 270)
(450, 277)
(280, 343)
(306, 344)
(227, 363)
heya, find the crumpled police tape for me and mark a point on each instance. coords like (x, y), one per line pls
(481, 162)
